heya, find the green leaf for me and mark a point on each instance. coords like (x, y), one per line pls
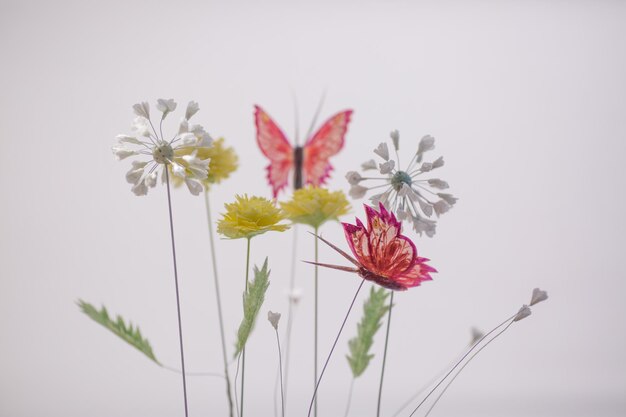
(253, 299)
(128, 333)
(374, 310)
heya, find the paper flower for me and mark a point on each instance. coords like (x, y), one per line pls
(315, 206)
(182, 153)
(273, 318)
(538, 296)
(223, 161)
(404, 190)
(383, 255)
(523, 312)
(250, 216)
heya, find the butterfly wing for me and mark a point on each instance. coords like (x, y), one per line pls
(276, 148)
(326, 142)
(384, 251)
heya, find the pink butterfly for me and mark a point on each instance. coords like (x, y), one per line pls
(383, 254)
(309, 162)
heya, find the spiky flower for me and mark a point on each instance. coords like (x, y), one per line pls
(181, 154)
(405, 191)
(315, 206)
(250, 216)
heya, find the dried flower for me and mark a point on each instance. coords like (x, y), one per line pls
(181, 154)
(383, 254)
(315, 206)
(273, 318)
(250, 216)
(523, 312)
(538, 296)
(404, 191)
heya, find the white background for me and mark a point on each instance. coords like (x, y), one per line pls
(526, 101)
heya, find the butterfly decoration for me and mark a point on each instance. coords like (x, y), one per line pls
(310, 162)
(383, 254)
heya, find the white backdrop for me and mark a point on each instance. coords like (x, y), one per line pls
(526, 101)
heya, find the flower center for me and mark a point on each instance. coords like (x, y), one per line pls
(400, 178)
(163, 153)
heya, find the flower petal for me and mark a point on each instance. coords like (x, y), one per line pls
(192, 108)
(195, 187)
(357, 191)
(383, 151)
(353, 177)
(395, 138)
(387, 167)
(367, 165)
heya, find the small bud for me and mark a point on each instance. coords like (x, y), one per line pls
(353, 177)
(538, 296)
(357, 191)
(273, 318)
(477, 334)
(523, 312)
(371, 164)
(395, 138)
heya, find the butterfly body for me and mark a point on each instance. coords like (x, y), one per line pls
(310, 162)
(381, 253)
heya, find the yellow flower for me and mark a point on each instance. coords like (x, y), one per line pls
(315, 206)
(223, 161)
(250, 216)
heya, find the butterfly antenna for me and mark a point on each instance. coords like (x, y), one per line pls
(339, 267)
(316, 115)
(342, 253)
(296, 117)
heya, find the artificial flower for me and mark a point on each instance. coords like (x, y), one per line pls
(404, 191)
(250, 216)
(538, 296)
(273, 318)
(383, 255)
(223, 161)
(182, 154)
(315, 206)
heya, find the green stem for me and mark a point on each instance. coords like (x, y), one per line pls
(219, 302)
(290, 308)
(382, 373)
(243, 353)
(349, 397)
(315, 327)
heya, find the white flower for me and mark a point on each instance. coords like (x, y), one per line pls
(427, 143)
(371, 164)
(192, 108)
(538, 296)
(395, 138)
(357, 191)
(142, 109)
(382, 151)
(523, 312)
(166, 106)
(273, 318)
(178, 154)
(387, 167)
(403, 188)
(353, 177)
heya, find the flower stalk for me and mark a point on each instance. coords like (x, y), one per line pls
(382, 372)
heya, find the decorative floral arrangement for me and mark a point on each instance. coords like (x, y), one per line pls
(381, 254)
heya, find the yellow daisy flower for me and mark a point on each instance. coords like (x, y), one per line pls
(315, 206)
(250, 216)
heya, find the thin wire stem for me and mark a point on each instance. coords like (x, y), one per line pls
(315, 327)
(235, 384)
(243, 353)
(332, 349)
(382, 372)
(280, 370)
(349, 397)
(292, 280)
(459, 362)
(463, 367)
(180, 326)
(219, 301)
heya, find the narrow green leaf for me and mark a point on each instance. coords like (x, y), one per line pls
(128, 333)
(253, 299)
(374, 310)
